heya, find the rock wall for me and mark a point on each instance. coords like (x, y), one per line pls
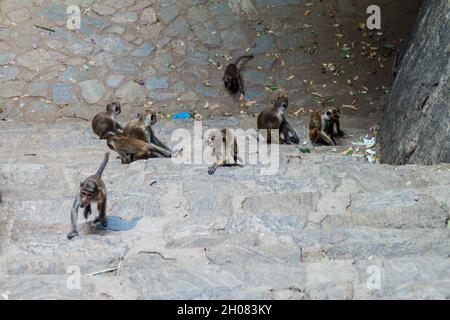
(415, 126)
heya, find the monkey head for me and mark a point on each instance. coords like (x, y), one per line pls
(331, 114)
(228, 80)
(111, 139)
(149, 117)
(213, 138)
(114, 108)
(88, 190)
(281, 102)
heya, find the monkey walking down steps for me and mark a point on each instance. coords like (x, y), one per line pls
(324, 226)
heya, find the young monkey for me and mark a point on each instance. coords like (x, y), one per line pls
(131, 149)
(232, 77)
(141, 129)
(331, 124)
(92, 190)
(316, 130)
(223, 147)
(105, 123)
(273, 119)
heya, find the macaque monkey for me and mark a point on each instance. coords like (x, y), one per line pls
(273, 119)
(232, 77)
(105, 123)
(331, 124)
(141, 129)
(224, 149)
(131, 149)
(92, 190)
(316, 130)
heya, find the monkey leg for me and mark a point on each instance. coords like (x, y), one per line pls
(324, 137)
(339, 132)
(126, 158)
(269, 136)
(87, 211)
(119, 132)
(240, 83)
(233, 165)
(213, 168)
(74, 217)
(142, 155)
(161, 151)
(290, 136)
(119, 127)
(155, 141)
(101, 206)
(332, 139)
(314, 136)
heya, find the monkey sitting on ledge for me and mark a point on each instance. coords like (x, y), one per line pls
(325, 127)
(224, 149)
(105, 123)
(273, 118)
(331, 123)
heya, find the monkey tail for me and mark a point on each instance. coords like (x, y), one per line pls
(103, 165)
(243, 57)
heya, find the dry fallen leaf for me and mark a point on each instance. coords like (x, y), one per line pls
(290, 77)
(249, 103)
(198, 116)
(299, 112)
(307, 13)
(349, 107)
(317, 94)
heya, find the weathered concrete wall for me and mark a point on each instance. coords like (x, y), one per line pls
(415, 127)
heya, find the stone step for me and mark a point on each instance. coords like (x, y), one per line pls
(181, 233)
(244, 211)
(311, 172)
(71, 135)
(404, 209)
(152, 276)
(314, 245)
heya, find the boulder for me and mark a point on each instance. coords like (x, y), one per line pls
(415, 126)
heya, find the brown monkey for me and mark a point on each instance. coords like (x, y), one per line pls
(273, 118)
(105, 123)
(224, 148)
(92, 190)
(331, 124)
(141, 129)
(232, 77)
(131, 149)
(316, 130)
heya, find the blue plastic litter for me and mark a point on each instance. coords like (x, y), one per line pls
(182, 115)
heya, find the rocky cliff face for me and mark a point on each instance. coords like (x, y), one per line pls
(415, 126)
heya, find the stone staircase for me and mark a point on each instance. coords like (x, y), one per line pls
(326, 226)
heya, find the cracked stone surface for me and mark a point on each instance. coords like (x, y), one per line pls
(314, 230)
